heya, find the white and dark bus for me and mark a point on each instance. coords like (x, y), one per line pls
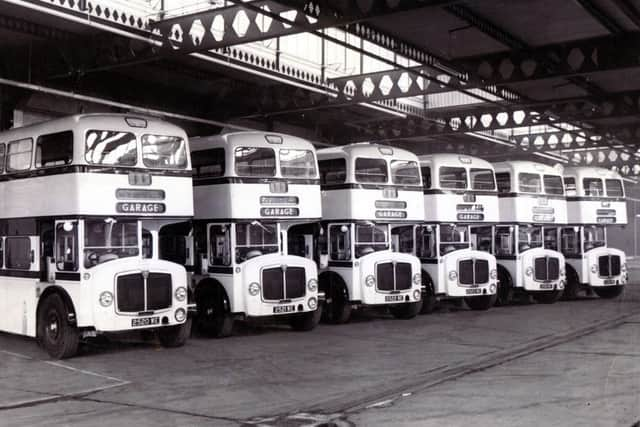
(459, 191)
(85, 200)
(249, 189)
(367, 191)
(595, 201)
(532, 206)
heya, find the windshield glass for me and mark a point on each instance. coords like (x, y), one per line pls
(529, 183)
(570, 240)
(453, 237)
(482, 179)
(255, 239)
(553, 184)
(592, 187)
(166, 152)
(594, 237)
(106, 147)
(614, 188)
(529, 237)
(451, 177)
(297, 163)
(405, 172)
(253, 161)
(371, 238)
(371, 170)
(107, 239)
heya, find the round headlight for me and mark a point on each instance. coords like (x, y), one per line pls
(594, 268)
(86, 276)
(494, 274)
(312, 285)
(417, 279)
(181, 293)
(492, 288)
(417, 294)
(529, 271)
(453, 275)
(106, 299)
(180, 315)
(254, 289)
(370, 280)
(312, 303)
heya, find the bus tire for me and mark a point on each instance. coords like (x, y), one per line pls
(59, 338)
(573, 284)
(481, 303)
(505, 287)
(608, 292)
(429, 301)
(407, 310)
(306, 321)
(336, 308)
(546, 297)
(213, 317)
(175, 336)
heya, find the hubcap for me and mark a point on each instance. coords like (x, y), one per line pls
(53, 330)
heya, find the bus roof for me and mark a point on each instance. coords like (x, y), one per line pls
(365, 149)
(518, 166)
(452, 159)
(581, 172)
(252, 138)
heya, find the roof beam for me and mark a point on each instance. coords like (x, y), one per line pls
(630, 10)
(601, 16)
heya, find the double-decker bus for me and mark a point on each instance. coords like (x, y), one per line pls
(368, 190)
(532, 205)
(595, 201)
(85, 200)
(249, 188)
(459, 191)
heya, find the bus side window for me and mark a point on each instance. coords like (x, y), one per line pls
(504, 182)
(504, 244)
(19, 155)
(425, 242)
(220, 244)
(2, 158)
(426, 177)
(1, 252)
(147, 244)
(66, 249)
(18, 252)
(333, 171)
(340, 242)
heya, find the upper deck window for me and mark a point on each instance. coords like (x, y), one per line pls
(371, 170)
(333, 171)
(593, 187)
(453, 177)
(570, 185)
(482, 179)
(108, 147)
(54, 149)
(426, 176)
(165, 152)
(553, 184)
(614, 187)
(297, 163)
(504, 182)
(405, 172)
(529, 182)
(255, 161)
(208, 162)
(19, 155)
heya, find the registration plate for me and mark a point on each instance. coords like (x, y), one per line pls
(609, 282)
(145, 321)
(284, 309)
(546, 286)
(474, 291)
(393, 298)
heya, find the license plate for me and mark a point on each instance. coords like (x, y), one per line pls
(284, 309)
(474, 291)
(393, 298)
(145, 321)
(546, 286)
(609, 282)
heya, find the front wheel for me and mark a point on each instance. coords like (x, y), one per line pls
(608, 292)
(56, 335)
(214, 318)
(306, 321)
(547, 297)
(573, 285)
(175, 336)
(481, 303)
(406, 311)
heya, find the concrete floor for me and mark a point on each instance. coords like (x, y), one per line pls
(571, 363)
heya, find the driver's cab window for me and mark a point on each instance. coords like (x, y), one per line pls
(551, 238)
(426, 241)
(402, 239)
(529, 237)
(66, 250)
(220, 244)
(340, 242)
(481, 238)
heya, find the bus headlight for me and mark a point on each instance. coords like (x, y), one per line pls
(453, 275)
(529, 271)
(494, 274)
(181, 293)
(254, 289)
(312, 303)
(594, 269)
(312, 285)
(180, 315)
(106, 299)
(417, 279)
(370, 281)
(492, 288)
(417, 294)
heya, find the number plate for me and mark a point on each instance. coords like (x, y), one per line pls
(609, 281)
(394, 298)
(546, 286)
(474, 291)
(284, 309)
(145, 321)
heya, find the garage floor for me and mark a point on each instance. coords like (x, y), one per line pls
(571, 363)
